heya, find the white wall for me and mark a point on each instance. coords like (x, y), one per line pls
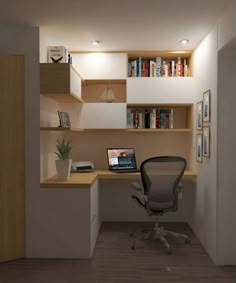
(226, 25)
(226, 230)
(205, 75)
(226, 198)
(25, 40)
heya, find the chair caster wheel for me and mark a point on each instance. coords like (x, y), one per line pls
(187, 241)
(169, 252)
(132, 247)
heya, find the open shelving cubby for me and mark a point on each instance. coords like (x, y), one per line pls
(143, 59)
(166, 117)
(61, 82)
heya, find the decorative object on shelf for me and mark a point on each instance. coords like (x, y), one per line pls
(199, 148)
(57, 54)
(108, 94)
(64, 119)
(199, 115)
(63, 164)
(206, 106)
(206, 141)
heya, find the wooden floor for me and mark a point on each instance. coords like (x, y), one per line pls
(113, 262)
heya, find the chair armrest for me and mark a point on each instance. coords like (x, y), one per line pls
(137, 186)
(180, 190)
(139, 196)
(138, 200)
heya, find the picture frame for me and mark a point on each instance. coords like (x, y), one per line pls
(64, 119)
(206, 106)
(199, 115)
(206, 141)
(199, 147)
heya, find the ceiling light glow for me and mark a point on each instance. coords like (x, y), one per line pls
(95, 42)
(184, 41)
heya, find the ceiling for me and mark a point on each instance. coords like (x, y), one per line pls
(117, 24)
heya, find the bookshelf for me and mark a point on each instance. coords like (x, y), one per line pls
(60, 82)
(63, 83)
(159, 117)
(160, 64)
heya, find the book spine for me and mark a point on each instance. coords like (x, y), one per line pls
(129, 69)
(153, 119)
(147, 119)
(158, 118)
(185, 68)
(139, 67)
(128, 118)
(162, 118)
(134, 68)
(171, 118)
(172, 68)
(136, 119)
(158, 66)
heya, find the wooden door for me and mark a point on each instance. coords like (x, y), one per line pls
(12, 157)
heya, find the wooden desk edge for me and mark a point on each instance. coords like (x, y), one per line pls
(85, 180)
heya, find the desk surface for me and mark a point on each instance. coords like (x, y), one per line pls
(85, 180)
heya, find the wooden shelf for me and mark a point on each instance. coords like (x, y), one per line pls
(58, 129)
(160, 130)
(60, 82)
(164, 54)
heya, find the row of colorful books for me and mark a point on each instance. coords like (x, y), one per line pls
(159, 67)
(150, 118)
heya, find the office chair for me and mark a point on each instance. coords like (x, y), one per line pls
(159, 192)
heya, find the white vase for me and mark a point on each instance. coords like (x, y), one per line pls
(63, 169)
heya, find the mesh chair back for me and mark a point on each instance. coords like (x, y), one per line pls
(161, 176)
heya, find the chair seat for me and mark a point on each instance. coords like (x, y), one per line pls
(156, 206)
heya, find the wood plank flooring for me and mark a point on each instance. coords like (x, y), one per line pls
(113, 262)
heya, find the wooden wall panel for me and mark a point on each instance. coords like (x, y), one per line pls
(12, 157)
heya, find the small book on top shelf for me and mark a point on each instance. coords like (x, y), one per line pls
(64, 119)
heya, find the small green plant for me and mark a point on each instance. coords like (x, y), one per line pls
(63, 149)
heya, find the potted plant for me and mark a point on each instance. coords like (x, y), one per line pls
(63, 164)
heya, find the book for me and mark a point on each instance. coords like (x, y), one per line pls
(158, 66)
(171, 118)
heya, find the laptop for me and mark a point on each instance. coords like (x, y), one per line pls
(121, 160)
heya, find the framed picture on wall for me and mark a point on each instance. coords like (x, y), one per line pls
(206, 142)
(64, 119)
(206, 106)
(199, 148)
(199, 115)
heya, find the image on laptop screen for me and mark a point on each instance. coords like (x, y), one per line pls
(121, 159)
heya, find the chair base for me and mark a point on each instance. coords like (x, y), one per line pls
(158, 233)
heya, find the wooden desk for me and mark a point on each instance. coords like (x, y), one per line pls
(85, 180)
(72, 211)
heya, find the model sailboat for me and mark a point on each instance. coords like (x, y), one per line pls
(108, 95)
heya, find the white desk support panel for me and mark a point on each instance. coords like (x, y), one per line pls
(72, 214)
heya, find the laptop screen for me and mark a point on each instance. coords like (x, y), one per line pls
(121, 159)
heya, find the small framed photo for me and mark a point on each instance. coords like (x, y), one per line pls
(206, 141)
(206, 106)
(199, 115)
(199, 148)
(64, 119)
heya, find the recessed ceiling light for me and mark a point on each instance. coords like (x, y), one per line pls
(184, 41)
(95, 42)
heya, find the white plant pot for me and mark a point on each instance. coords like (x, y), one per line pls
(63, 169)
